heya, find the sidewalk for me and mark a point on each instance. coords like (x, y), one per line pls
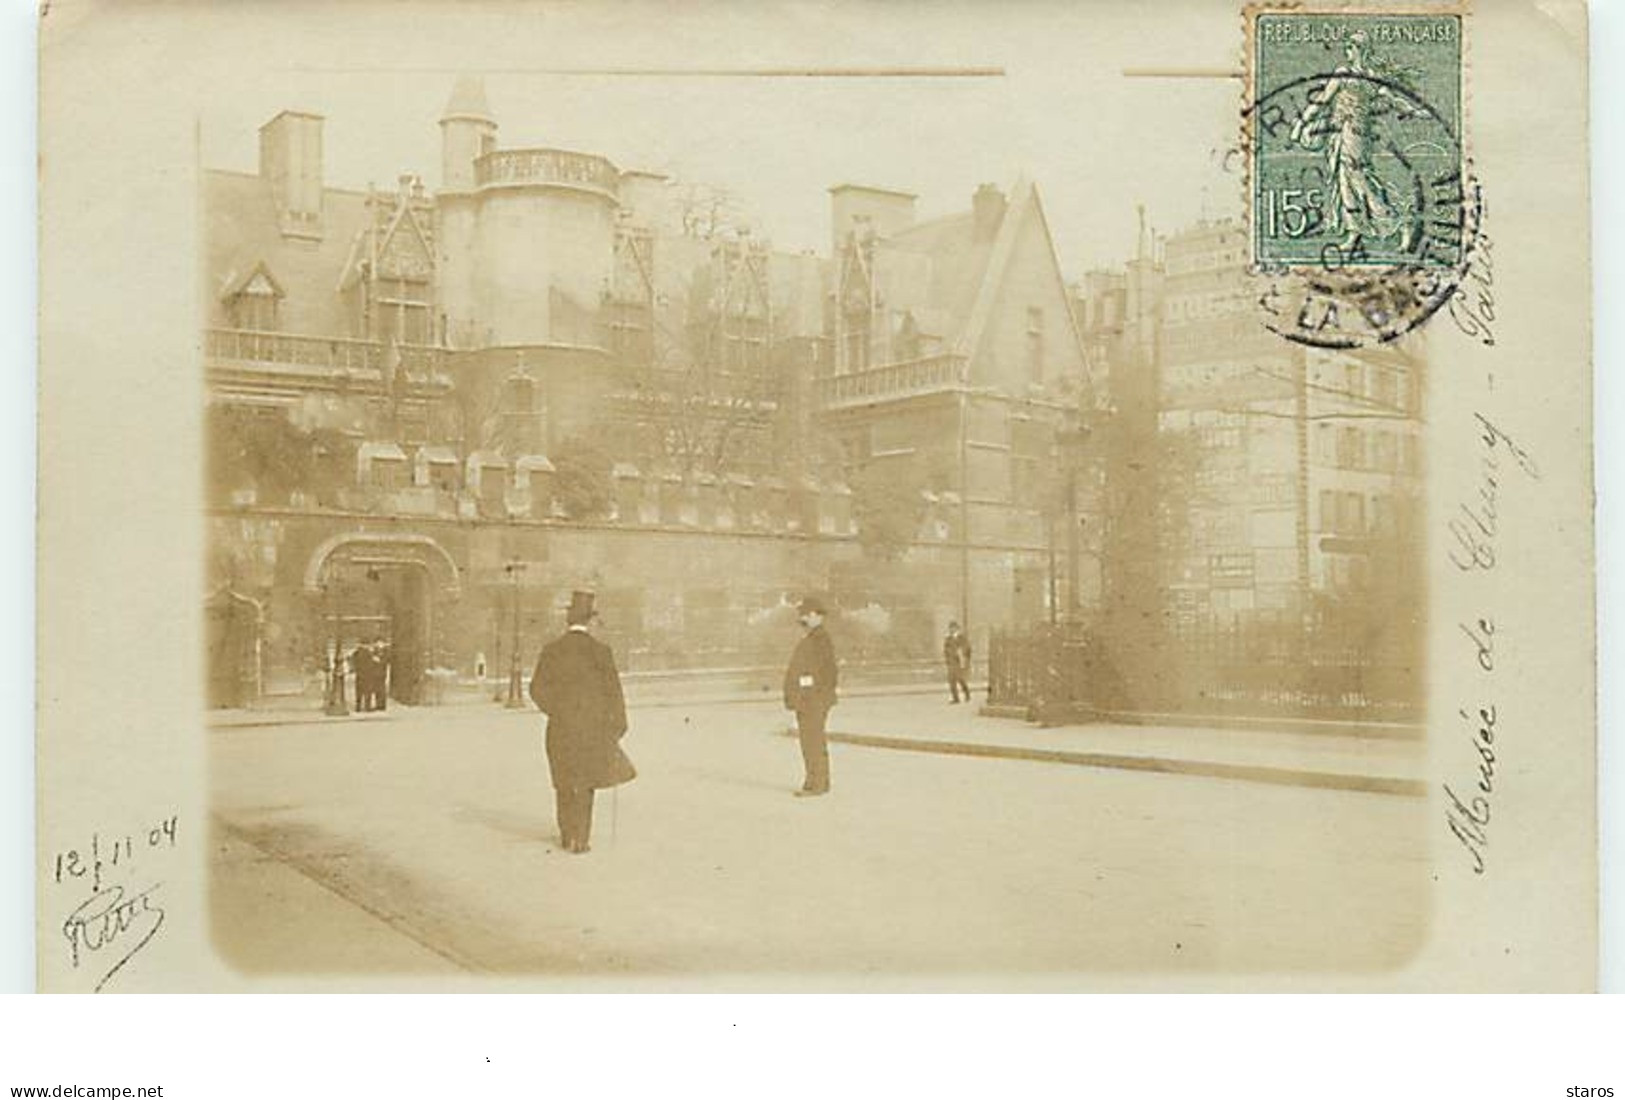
(1335, 756)
(1380, 759)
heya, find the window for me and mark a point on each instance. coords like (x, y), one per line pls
(1382, 515)
(1350, 454)
(1408, 460)
(1387, 387)
(253, 305)
(1353, 514)
(1325, 444)
(254, 311)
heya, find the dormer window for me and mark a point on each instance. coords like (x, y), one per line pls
(252, 302)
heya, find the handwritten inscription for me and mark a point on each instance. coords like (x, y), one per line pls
(1469, 818)
(1475, 523)
(109, 921)
(1472, 306)
(1475, 527)
(111, 925)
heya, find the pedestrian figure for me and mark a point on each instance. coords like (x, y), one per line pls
(809, 690)
(956, 654)
(381, 657)
(577, 686)
(364, 671)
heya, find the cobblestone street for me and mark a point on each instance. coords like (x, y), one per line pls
(423, 841)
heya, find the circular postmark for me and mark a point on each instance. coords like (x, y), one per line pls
(1364, 212)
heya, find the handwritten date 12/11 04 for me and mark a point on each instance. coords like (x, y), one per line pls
(106, 853)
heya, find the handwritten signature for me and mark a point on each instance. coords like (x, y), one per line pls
(109, 918)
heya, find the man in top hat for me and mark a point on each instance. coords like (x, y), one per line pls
(809, 690)
(577, 686)
(956, 655)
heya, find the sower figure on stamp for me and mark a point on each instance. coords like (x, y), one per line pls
(577, 686)
(956, 655)
(809, 690)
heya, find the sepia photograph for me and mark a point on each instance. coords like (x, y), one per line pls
(832, 495)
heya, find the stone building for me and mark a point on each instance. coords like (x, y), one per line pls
(1295, 471)
(954, 359)
(434, 411)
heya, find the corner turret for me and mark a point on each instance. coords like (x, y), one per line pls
(467, 132)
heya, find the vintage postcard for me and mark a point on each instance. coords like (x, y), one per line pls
(815, 495)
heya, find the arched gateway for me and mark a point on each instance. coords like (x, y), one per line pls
(382, 586)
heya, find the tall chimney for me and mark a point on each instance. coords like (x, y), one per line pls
(886, 212)
(987, 206)
(291, 163)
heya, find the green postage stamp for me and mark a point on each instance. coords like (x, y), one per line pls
(1356, 139)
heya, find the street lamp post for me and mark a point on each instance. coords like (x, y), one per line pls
(515, 700)
(336, 705)
(1054, 595)
(1070, 439)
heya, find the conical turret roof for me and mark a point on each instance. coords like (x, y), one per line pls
(468, 101)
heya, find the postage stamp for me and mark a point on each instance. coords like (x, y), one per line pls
(1364, 214)
(1358, 133)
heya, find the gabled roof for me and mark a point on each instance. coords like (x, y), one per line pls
(405, 217)
(371, 245)
(251, 281)
(998, 260)
(242, 230)
(950, 279)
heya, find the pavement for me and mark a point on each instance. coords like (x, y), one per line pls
(420, 844)
(1378, 758)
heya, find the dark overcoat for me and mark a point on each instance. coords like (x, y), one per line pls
(810, 679)
(577, 687)
(363, 664)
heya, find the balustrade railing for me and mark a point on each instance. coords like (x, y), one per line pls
(912, 376)
(555, 166)
(319, 352)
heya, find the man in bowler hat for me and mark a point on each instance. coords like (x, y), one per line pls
(577, 686)
(809, 690)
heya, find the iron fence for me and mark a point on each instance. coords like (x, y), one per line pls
(1071, 673)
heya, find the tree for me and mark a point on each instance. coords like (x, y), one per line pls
(706, 211)
(582, 479)
(888, 504)
(1143, 508)
(265, 452)
(706, 383)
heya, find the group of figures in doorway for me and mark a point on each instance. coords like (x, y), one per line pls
(576, 684)
(370, 665)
